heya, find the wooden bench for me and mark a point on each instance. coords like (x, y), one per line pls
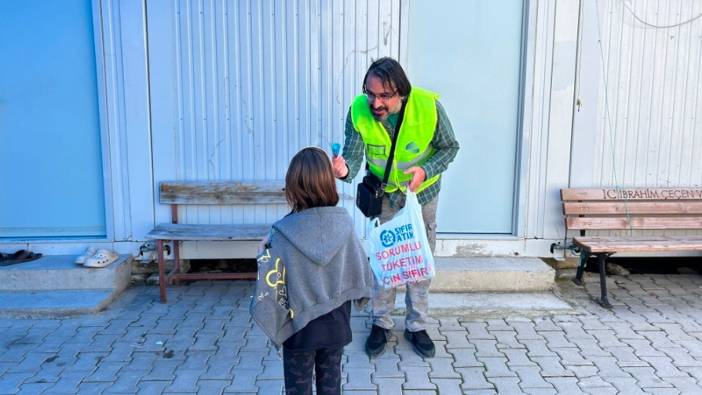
(630, 209)
(209, 193)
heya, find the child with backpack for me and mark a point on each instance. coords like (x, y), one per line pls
(311, 268)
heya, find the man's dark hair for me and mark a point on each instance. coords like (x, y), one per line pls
(390, 72)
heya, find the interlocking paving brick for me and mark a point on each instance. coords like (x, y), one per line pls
(658, 339)
(487, 348)
(623, 330)
(125, 384)
(594, 382)
(31, 362)
(625, 385)
(272, 387)
(474, 379)
(88, 361)
(448, 386)
(478, 330)
(185, 381)
(46, 375)
(386, 366)
(216, 386)
(408, 356)
(590, 348)
(506, 385)
(152, 387)
(539, 391)
(10, 382)
(244, 381)
(572, 357)
(457, 339)
(664, 367)
(525, 328)
(507, 339)
(417, 378)
(517, 357)
(551, 367)
(646, 377)
(442, 368)
(388, 385)
(92, 388)
(497, 367)
(642, 348)
(358, 359)
(530, 377)
(565, 385)
(106, 371)
(538, 348)
(221, 369)
(465, 358)
(34, 388)
(450, 324)
(556, 339)
(271, 370)
(681, 357)
(359, 379)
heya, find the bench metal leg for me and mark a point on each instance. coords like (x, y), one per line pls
(161, 271)
(601, 261)
(176, 253)
(581, 268)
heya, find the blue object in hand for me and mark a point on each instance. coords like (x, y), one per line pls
(336, 147)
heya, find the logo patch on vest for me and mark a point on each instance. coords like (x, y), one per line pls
(412, 147)
(376, 150)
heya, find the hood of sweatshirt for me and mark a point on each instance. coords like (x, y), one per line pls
(318, 233)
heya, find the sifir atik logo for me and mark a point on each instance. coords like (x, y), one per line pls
(387, 238)
(390, 237)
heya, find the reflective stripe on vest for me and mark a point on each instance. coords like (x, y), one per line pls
(413, 144)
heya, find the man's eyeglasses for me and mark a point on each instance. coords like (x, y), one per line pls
(382, 97)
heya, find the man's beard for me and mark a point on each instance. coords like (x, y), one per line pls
(383, 110)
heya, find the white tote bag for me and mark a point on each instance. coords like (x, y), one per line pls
(399, 249)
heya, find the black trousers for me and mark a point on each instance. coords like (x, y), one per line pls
(298, 367)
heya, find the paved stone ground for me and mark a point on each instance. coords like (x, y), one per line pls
(204, 342)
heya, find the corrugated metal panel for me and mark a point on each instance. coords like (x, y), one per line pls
(649, 96)
(648, 131)
(255, 81)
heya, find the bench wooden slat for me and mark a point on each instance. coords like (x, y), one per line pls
(628, 194)
(636, 207)
(639, 243)
(209, 232)
(614, 223)
(222, 192)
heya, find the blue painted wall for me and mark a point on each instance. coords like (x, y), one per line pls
(50, 157)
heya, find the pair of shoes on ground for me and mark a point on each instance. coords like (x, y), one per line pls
(95, 258)
(378, 338)
(18, 256)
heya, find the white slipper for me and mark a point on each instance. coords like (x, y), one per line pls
(90, 251)
(101, 259)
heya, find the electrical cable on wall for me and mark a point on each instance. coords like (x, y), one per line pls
(608, 115)
(642, 21)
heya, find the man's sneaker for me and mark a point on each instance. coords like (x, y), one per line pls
(375, 344)
(421, 343)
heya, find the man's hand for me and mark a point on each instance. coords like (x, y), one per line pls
(418, 177)
(339, 167)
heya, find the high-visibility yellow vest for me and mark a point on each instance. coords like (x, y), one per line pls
(413, 146)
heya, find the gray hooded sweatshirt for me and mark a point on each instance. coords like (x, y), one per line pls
(312, 264)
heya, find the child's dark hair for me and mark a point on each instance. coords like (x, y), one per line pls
(310, 180)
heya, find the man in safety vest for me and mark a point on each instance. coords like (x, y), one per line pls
(425, 147)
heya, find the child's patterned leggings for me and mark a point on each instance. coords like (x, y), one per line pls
(299, 366)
